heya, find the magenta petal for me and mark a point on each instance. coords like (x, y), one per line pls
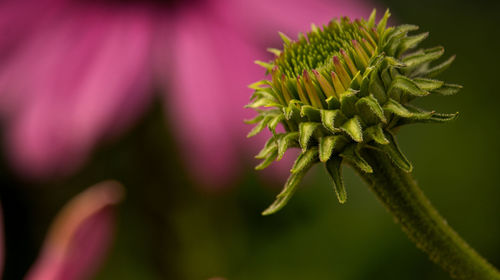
(80, 235)
(70, 85)
(262, 19)
(208, 90)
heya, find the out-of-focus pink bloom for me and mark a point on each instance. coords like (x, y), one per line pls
(79, 237)
(73, 72)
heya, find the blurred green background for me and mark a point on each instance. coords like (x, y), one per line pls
(170, 228)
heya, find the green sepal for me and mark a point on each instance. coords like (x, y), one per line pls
(329, 144)
(428, 84)
(292, 111)
(391, 44)
(260, 126)
(448, 89)
(365, 81)
(351, 153)
(332, 103)
(268, 147)
(376, 87)
(399, 110)
(385, 75)
(374, 63)
(284, 196)
(347, 102)
(410, 42)
(305, 160)
(438, 69)
(376, 133)
(405, 28)
(355, 81)
(274, 122)
(434, 118)
(395, 63)
(395, 154)
(306, 130)
(263, 102)
(257, 85)
(371, 19)
(269, 159)
(256, 119)
(334, 169)
(393, 36)
(383, 22)
(396, 38)
(267, 93)
(353, 128)
(370, 110)
(331, 119)
(257, 102)
(311, 113)
(421, 57)
(407, 85)
(289, 140)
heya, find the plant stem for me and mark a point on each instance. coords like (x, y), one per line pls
(422, 223)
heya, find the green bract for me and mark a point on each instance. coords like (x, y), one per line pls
(343, 88)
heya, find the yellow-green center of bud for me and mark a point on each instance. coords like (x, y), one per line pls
(324, 62)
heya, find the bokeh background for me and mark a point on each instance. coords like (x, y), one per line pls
(172, 225)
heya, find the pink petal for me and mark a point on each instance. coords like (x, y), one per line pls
(79, 236)
(261, 19)
(205, 98)
(207, 92)
(70, 85)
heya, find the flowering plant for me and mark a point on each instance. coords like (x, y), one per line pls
(341, 93)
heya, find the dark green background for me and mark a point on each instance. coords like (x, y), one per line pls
(170, 229)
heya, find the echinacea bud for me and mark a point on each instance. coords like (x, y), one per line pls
(342, 88)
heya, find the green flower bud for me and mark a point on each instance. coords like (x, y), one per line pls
(342, 88)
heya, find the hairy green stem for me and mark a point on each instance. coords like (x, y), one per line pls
(431, 233)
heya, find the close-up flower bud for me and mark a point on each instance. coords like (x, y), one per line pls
(344, 88)
(241, 140)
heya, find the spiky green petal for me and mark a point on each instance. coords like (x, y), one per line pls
(333, 166)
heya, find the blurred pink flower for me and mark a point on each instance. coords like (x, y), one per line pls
(74, 72)
(79, 236)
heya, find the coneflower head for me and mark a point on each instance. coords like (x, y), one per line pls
(342, 88)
